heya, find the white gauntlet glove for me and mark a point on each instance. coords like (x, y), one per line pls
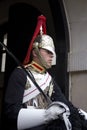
(53, 112)
(59, 110)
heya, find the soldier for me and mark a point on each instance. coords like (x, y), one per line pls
(26, 107)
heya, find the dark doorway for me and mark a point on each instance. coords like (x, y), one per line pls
(62, 45)
(22, 22)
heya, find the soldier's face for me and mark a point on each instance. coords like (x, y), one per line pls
(47, 56)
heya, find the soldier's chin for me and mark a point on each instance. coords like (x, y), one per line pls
(48, 66)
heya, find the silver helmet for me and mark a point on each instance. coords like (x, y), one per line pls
(46, 42)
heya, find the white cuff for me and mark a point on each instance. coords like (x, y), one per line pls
(28, 118)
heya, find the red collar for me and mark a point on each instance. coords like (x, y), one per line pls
(37, 67)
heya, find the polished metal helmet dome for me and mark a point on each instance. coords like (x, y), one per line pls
(45, 42)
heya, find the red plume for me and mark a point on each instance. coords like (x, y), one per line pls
(41, 21)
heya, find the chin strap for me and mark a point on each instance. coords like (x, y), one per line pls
(30, 117)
